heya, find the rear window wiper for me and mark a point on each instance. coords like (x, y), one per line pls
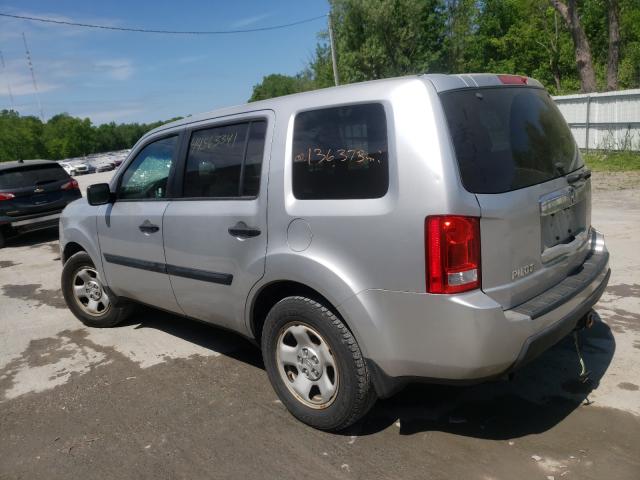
(576, 176)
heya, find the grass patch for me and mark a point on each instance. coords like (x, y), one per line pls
(612, 161)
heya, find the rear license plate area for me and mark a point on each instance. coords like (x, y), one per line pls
(562, 216)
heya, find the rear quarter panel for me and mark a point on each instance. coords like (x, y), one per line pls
(356, 245)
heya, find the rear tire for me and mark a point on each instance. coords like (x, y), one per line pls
(84, 293)
(315, 365)
(2, 240)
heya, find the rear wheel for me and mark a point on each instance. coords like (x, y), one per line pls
(2, 239)
(315, 364)
(84, 293)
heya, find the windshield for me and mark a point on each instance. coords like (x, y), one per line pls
(29, 176)
(508, 138)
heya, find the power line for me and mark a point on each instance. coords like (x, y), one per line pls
(171, 32)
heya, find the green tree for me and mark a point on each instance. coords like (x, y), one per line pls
(388, 38)
(276, 85)
(63, 136)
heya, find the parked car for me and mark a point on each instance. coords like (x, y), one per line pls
(68, 168)
(32, 195)
(427, 228)
(83, 168)
(105, 166)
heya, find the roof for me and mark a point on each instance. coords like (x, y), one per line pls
(273, 103)
(24, 163)
(440, 82)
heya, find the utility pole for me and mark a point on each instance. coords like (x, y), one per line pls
(334, 57)
(8, 83)
(33, 76)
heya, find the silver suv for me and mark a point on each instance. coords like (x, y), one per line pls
(430, 227)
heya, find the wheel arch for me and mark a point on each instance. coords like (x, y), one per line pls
(271, 293)
(70, 249)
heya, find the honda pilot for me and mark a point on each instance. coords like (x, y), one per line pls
(431, 227)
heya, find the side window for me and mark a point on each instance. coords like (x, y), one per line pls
(147, 175)
(341, 153)
(225, 161)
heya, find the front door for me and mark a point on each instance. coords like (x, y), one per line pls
(215, 235)
(130, 229)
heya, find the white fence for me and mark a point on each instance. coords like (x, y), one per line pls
(608, 121)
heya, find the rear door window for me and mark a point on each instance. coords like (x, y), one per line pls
(508, 138)
(341, 153)
(225, 161)
(31, 175)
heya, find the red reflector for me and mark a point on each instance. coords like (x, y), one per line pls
(6, 196)
(452, 250)
(70, 185)
(513, 79)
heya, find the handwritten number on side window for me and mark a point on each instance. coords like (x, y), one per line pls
(317, 156)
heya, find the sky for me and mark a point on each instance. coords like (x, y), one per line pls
(135, 77)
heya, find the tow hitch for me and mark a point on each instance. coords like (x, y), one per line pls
(585, 322)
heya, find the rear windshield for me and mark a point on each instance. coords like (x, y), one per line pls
(508, 138)
(29, 176)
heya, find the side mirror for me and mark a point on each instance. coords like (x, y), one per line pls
(99, 194)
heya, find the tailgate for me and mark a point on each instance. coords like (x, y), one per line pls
(516, 153)
(531, 239)
(35, 189)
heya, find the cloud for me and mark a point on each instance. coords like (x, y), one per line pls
(59, 73)
(247, 21)
(118, 69)
(113, 115)
(22, 84)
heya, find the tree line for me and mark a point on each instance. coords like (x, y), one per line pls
(569, 45)
(63, 136)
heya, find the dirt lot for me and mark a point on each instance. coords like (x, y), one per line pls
(164, 397)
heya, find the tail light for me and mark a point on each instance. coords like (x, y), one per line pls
(72, 184)
(6, 196)
(452, 253)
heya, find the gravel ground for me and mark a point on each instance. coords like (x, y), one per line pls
(165, 397)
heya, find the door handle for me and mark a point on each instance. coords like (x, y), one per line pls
(148, 227)
(241, 230)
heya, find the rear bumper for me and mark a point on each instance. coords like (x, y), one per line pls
(468, 338)
(32, 222)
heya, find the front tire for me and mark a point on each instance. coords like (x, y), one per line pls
(85, 296)
(315, 364)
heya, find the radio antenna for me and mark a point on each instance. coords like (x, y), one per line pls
(33, 76)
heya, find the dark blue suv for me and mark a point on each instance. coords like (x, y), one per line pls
(33, 193)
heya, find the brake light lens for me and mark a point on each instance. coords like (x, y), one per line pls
(72, 184)
(513, 79)
(6, 196)
(452, 253)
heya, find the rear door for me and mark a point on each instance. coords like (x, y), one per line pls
(37, 189)
(130, 229)
(215, 235)
(517, 154)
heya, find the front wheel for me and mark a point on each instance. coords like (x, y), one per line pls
(315, 364)
(85, 295)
